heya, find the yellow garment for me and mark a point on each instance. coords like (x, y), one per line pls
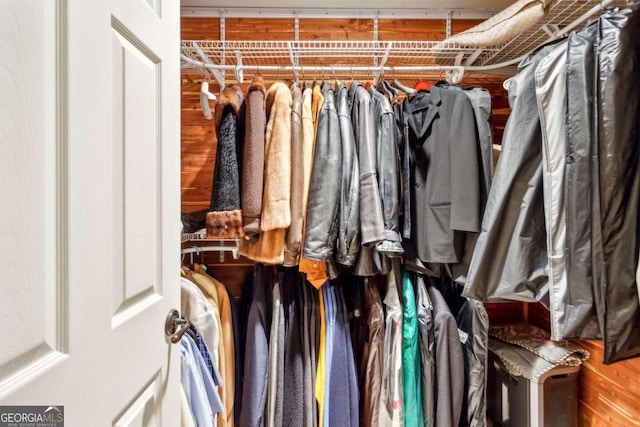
(229, 351)
(210, 290)
(311, 103)
(320, 372)
(316, 105)
(308, 137)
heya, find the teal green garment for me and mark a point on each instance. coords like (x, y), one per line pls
(413, 415)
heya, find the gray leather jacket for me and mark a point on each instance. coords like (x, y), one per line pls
(348, 243)
(388, 171)
(324, 191)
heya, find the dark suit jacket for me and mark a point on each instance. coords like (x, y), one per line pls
(440, 133)
(449, 363)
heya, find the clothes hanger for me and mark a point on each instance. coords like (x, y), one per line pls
(205, 97)
(406, 89)
(422, 85)
(391, 91)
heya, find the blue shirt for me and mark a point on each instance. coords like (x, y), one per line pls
(206, 355)
(198, 385)
(330, 320)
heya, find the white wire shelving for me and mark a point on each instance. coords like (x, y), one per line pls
(341, 59)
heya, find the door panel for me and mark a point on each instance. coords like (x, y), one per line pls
(89, 215)
(136, 141)
(31, 292)
(142, 412)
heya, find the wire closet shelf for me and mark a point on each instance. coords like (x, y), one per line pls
(311, 59)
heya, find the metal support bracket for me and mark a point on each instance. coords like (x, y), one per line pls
(296, 25)
(294, 62)
(550, 29)
(449, 18)
(218, 74)
(383, 61)
(472, 58)
(223, 12)
(239, 69)
(376, 15)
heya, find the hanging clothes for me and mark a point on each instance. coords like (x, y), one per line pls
(413, 415)
(322, 357)
(328, 297)
(387, 167)
(198, 386)
(481, 103)
(480, 99)
(256, 362)
(238, 361)
(372, 224)
(203, 314)
(392, 388)
(550, 81)
(444, 191)
(347, 359)
(368, 339)
(293, 395)
(311, 103)
(474, 321)
(424, 309)
(372, 227)
(511, 249)
(252, 182)
(341, 398)
(580, 304)
(473, 333)
(226, 348)
(619, 190)
(324, 192)
(314, 343)
(224, 219)
(293, 239)
(275, 374)
(449, 363)
(186, 417)
(276, 204)
(348, 240)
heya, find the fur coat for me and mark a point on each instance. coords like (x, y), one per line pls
(276, 201)
(224, 219)
(253, 157)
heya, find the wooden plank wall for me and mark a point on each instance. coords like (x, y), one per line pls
(608, 394)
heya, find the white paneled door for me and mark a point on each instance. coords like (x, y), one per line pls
(89, 208)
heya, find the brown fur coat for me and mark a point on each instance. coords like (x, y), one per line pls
(276, 201)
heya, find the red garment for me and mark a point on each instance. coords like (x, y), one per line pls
(422, 85)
